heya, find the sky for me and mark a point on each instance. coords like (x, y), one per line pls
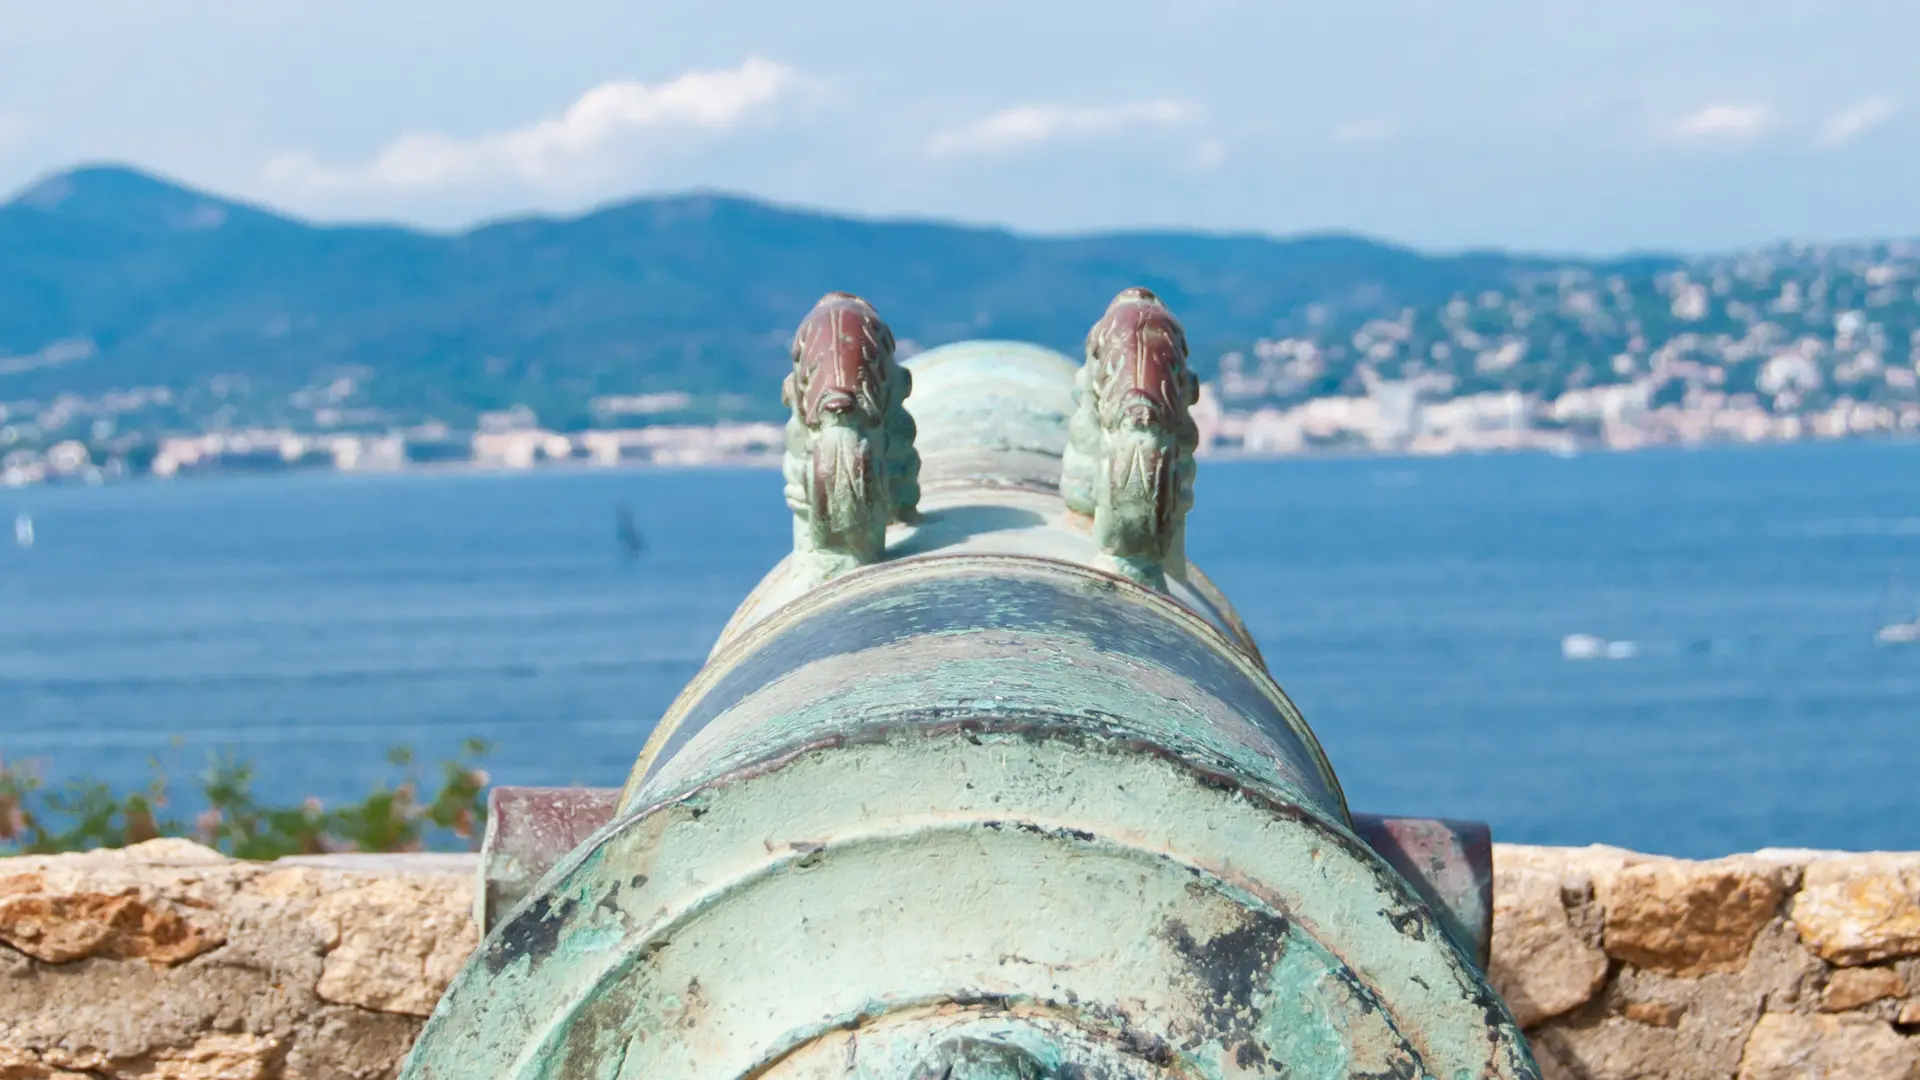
(1556, 126)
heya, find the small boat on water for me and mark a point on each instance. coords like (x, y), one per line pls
(23, 530)
(1897, 631)
(1590, 647)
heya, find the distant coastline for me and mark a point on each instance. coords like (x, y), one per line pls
(757, 445)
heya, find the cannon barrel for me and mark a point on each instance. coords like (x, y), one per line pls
(985, 778)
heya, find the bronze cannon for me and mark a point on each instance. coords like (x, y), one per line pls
(985, 779)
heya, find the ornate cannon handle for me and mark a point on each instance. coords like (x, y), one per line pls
(1129, 459)
(850, 465)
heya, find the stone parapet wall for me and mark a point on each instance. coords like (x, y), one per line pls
(1776, 965)
(169, 962)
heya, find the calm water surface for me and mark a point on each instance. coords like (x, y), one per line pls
(1414, 609)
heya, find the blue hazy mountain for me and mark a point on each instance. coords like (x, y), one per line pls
(162, 285)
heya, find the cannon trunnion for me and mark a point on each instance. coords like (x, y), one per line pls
(984, 780)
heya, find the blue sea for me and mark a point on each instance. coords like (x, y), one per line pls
(1414, 609)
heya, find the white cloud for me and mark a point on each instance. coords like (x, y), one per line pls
(607, 118)
(1359, 132)
(1722, 121)
(1856, 120)
(1209, 154)
(1029, 125)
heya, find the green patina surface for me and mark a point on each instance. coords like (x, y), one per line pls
(1047, 909)
(991, 807)
(995, 644)
(989, 396)
(1092, 645)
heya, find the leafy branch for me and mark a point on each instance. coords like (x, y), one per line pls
(400, 814)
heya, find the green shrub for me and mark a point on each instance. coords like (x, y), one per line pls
(399, 815)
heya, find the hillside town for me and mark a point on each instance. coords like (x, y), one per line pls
(1784, 344)
(1789, 344)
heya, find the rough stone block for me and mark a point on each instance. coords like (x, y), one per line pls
(1860, 909)
(167, 961)
(1688, 918)
(1540, 965)
(109, 904)
(1788, 1046)
(394, 945)
(1664, 1014)
(1850, 988)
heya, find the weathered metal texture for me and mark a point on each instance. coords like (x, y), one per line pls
(528, 829)
(986, 806)
(1449, 863)
(850, 463)
(984, 633)
(955, 871)
(993, 414)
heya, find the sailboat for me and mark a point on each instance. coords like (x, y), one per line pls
(23, 530)
(630, 539)
(1898, 631)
